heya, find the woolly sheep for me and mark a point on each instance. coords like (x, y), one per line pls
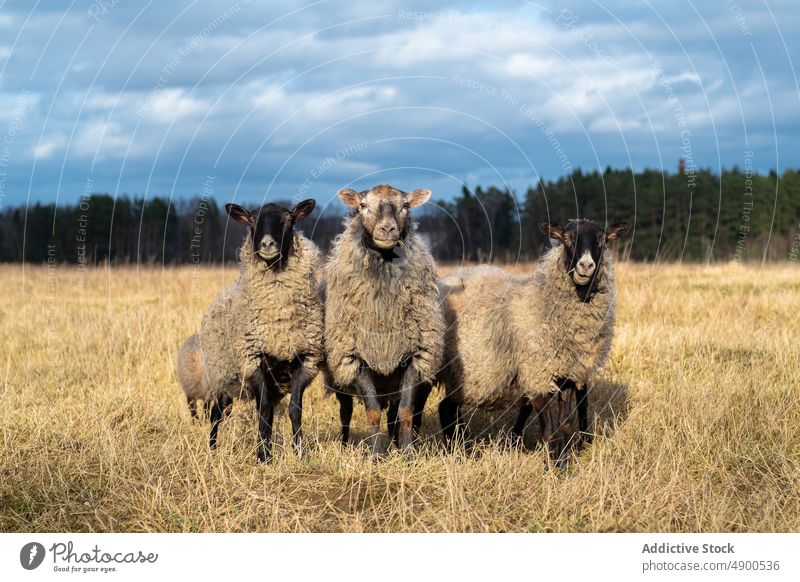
(192, 377)
(527, 337)
(384, 330)
(264, 334)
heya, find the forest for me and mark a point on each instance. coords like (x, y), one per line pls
(696, 216)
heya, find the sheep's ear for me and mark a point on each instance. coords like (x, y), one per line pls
(616, 230)
(239, 214)
(303, 209)
(552, 229)
(417, 197)
(350, 197)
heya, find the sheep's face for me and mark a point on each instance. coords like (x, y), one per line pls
(383, 212)
(584, 242)
(271, 228)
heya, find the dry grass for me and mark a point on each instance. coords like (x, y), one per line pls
(698, 416)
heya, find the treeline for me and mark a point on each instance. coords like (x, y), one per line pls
(690, 216)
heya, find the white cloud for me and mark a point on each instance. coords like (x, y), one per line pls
(170, 104)
(48, 146)
(96, 137)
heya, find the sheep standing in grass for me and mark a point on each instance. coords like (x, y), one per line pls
(384, 330)
(193, 379)
(519, 340)
(263, 335)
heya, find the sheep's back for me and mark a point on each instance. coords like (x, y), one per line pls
(222, 344)
(480, 362)
(190, 369)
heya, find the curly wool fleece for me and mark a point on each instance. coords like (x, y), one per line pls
(266, 311)
(522, 333)
(383, 313)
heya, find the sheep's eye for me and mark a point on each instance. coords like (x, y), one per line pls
(406, 206)
(363, 206)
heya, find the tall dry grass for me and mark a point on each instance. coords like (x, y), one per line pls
(698, 417)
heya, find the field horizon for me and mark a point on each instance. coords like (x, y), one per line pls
(697, 420)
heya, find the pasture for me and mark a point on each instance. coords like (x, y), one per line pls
(697, 420)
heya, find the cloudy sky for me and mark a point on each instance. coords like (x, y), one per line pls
(287, 100)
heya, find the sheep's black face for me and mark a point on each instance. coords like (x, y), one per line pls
(383, 212)
(272, 228)
(584, 242)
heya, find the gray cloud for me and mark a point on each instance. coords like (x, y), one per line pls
(153, 98)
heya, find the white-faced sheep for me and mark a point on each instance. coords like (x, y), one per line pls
(517, 340)
(384, 330)
(264, 333)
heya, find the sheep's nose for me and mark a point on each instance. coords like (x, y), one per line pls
(267, 243)
(586, 264)
(387, 230)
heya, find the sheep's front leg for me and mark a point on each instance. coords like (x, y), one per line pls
(564, 431)
(266, 413)
(368, 392)
(405, 412)
(541, 405)
(345, 403)
(300, 381)
(216, 412)
(582, 404)
(391, 422)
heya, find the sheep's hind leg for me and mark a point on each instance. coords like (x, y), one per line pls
(368, 392)
(564, 430)
(518, 429)
(450, 419)
(541, 405)
(192, 402)
(300, 381)
(345, 414)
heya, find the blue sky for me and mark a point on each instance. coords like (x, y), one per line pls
(258, 101)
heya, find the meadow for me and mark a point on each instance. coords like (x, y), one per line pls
(697, 421)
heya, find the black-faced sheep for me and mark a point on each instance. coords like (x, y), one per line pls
(384, 330)
(264, 333)
(518, 340)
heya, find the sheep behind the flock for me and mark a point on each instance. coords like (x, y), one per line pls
(190, 374)
(263, 335)
(517, 340)
(384, 328)
(193, 379)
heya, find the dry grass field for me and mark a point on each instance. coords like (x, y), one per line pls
(697, 417)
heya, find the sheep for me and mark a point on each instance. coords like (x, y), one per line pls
(384, 329)
(529, 337)
(192, 377)
(263, 335)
